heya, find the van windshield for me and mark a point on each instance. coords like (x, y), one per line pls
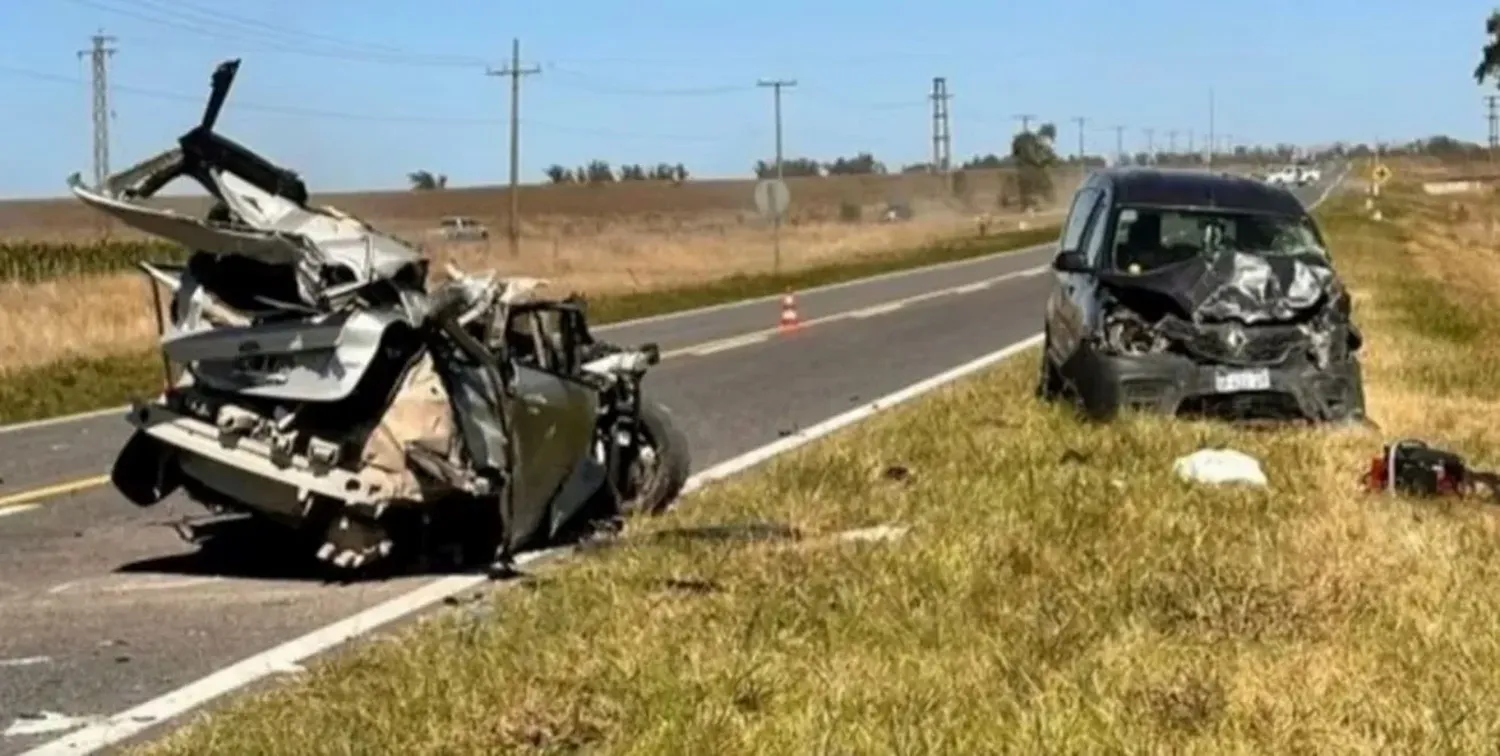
(1149, 238)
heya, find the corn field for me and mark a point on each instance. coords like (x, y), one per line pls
(33, 262)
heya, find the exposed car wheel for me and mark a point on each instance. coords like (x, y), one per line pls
(1049, 383)
(661, 467)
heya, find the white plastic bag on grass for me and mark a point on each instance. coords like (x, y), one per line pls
(1218, 466)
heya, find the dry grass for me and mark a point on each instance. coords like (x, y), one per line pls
(102, 315)
(568, 211)
(1059, 590)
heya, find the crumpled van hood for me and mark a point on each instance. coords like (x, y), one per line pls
(1236, 285)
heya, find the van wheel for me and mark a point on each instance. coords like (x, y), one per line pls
(1049, 383)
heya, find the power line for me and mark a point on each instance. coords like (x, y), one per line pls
(98, 55)
(839, 100)
(776, 86)
(1212, 143)
(515, 72)
(1494, 123)
(301, 112)
(218, 16)
(942, 140)
(213, 25)
(584, 83)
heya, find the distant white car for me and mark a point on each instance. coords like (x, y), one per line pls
(1294, 175)
(1282, 176)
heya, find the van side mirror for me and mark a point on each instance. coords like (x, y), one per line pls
(1071, 262)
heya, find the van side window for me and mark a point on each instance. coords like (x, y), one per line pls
(1078, 219)
(1096, 230)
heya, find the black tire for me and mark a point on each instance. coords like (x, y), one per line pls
(657, 486)
(1049, 384)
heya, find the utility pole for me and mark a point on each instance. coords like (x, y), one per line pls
(1082, 122)
(1494, 122)
(1212, 145)
(1191, 142)
(1119, 145)
(777, 85)
(98, 55)
(1172, 142)
(515, 72)
(1150, 146)
(942, 140)
(1025, 119)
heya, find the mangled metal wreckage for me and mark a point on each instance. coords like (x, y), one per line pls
(325, 388)
(1221, 329)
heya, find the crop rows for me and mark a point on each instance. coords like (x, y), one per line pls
(33, 262)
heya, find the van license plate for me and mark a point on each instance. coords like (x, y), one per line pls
(1230, 381)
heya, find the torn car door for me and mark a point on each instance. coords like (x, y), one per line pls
(555, 473)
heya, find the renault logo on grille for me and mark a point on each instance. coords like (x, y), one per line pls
(1234, 338)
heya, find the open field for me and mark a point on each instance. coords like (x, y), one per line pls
(1058, 590)
(110, 314)
(561, 212)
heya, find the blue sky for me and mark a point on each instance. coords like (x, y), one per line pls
(356, 94)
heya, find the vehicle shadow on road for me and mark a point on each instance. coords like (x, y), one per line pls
(249, 550)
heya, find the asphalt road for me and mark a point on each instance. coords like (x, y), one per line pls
(102, 607)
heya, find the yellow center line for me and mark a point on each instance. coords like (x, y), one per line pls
(23, 498)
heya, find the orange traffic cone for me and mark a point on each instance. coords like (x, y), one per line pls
(789, 321)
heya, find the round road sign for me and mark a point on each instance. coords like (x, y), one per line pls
(1381, 174)
(772, 197)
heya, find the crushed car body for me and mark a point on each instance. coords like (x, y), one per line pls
(325, 386)
(1197, 293)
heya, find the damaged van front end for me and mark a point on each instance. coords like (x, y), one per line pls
(1236, 334)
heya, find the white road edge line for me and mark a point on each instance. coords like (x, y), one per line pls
(128, 723)
(880, 309)
(824, 288)
(725, 345)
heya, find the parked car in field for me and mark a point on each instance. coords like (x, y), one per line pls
(1198, 293)
(460, 228)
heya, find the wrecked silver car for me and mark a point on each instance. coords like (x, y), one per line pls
(324, 386)
(1189, 292)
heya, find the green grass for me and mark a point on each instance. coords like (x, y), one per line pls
(1059, 591)
(83, 384)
